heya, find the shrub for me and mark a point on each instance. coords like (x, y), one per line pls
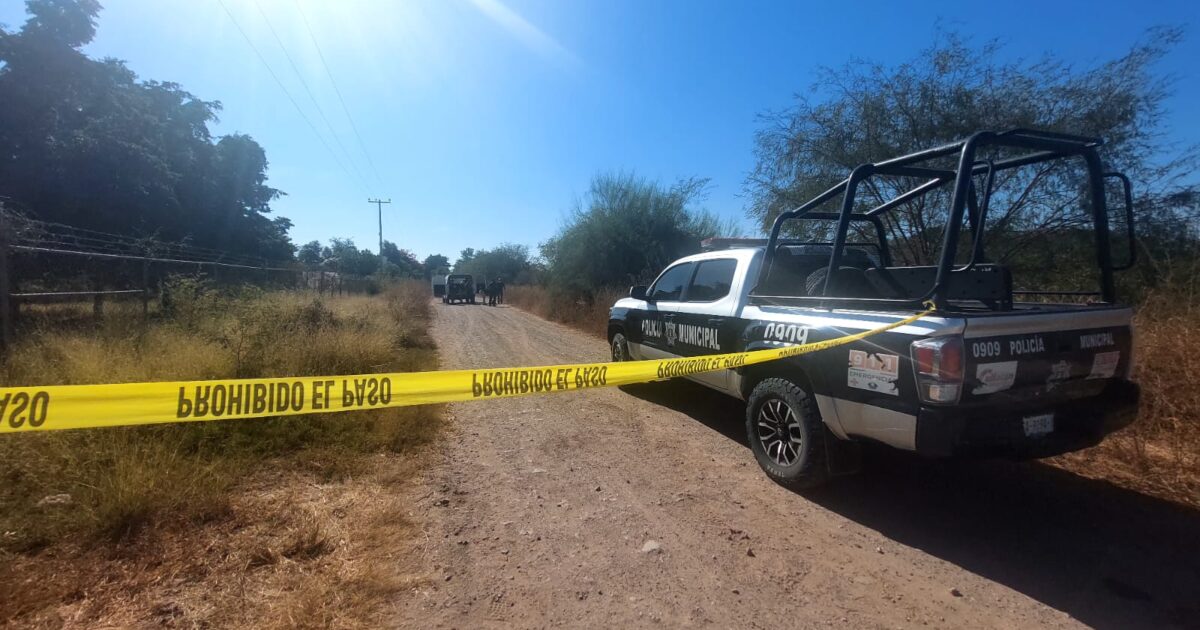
(588, 313)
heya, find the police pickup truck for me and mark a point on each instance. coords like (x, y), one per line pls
(987, 374)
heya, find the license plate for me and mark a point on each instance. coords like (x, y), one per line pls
(1039, 425)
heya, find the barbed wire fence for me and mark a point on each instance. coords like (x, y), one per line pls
(95, 265)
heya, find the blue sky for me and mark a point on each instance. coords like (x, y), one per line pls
(485, 119)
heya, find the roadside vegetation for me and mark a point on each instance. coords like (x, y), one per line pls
(92, 520)
(282, 522)
(622, 232)
(507, 261)
(587, 313)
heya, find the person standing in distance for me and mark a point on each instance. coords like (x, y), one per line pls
(492, 289)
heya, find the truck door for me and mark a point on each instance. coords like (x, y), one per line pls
(703, 319)
(657, 320)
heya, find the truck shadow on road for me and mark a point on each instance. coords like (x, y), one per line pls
(1109, 557)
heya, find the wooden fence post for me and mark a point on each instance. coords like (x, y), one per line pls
(97, 299)
(146, 289)
(6, 308)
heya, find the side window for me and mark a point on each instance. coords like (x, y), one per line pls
(713, 280)
(669, 286)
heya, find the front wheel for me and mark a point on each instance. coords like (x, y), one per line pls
(620, 347)
(786, 434)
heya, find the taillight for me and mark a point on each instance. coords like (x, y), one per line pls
(939, 366)
(923, 356)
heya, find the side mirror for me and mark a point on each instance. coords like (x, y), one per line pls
(638, 292)
(1127, 197)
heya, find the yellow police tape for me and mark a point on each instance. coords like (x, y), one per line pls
(90, 406)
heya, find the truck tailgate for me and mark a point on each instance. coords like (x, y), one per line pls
(1045, 355)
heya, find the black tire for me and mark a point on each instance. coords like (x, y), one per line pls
(619, 346)
(786, 433)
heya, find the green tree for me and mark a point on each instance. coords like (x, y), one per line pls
(625, 230)
(310, 254)
(403, 262)
(343, 256)
(435, 264)
(864, 112)
(464, 257)
(509, 262)
(88, 144)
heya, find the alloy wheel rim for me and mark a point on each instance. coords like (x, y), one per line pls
(779, 432)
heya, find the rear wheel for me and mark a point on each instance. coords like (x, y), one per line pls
(786, 434)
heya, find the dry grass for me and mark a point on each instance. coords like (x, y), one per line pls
(588, 315)
(289, 553)
(1158, 455)
(97, 524)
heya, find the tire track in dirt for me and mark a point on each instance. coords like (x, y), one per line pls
(536, 511)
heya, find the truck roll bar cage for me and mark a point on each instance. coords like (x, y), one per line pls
(1041, 146)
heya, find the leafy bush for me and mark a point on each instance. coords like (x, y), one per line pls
(625, 231)
(587, 313)
(507, 261)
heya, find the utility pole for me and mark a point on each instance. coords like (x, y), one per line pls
(379, 204)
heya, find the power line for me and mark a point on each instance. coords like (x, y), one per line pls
(52, 250)
(39, 234)
(37, 228)
(345, 110)
(285, 90)
(321, 112)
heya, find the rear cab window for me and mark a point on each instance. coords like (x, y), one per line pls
(669, 286)
(713, 280)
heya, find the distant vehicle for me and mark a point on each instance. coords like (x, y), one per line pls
(439, 285)
(459, 288)
(985, 375)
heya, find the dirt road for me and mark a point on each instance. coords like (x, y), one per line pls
(539, 511)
